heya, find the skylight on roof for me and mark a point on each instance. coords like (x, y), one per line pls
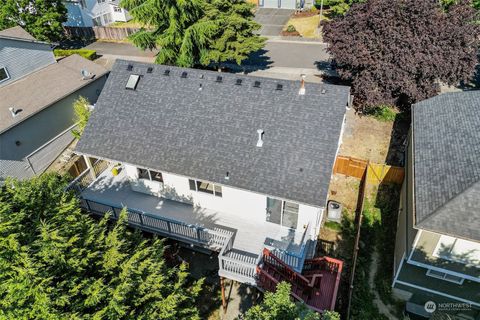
(132, 82)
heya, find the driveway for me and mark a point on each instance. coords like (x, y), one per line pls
(272, 20)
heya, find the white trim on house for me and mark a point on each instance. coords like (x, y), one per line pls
(193, 178)
(6, 72)
(398, 270)
(415, 242)
(438, 293)
(453, 273)
(431, 273)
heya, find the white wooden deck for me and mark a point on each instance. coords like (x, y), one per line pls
(250, 237)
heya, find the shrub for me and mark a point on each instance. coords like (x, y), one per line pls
(87, 54)
(382, 113)
(291, 28)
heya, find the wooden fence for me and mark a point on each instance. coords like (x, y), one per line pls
(377, 173)
(105, 33)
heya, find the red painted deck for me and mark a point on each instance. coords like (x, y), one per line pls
(317, 286)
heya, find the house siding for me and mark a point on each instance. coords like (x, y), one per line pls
(43, 126)
(22, 58)
(249, 205)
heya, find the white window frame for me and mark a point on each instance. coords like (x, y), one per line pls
(282, 213)
(215, 193)
(150, 175)
(444, 276)
(117, 9)
(6, 72)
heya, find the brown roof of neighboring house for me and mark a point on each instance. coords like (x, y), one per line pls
(42, 88)
(16, 32)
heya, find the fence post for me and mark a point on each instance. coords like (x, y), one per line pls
(140, 214)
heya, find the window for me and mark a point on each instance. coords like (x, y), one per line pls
(117, 9)
(205, 187)
(97, 21)
(149, 175)
(444, 276)
(156, 176)
(282, 212)
(107, 18)
(4, 74)
(132, 82)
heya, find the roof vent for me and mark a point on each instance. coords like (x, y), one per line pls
(86, 75)
(260, 137)
(219, 79)
(238, 82)
(200, 87)
(227, 175)
(323, 91)
(132, 82)
(149, 70)
(279, 87)
(130, 67)
(184, 74)
(13, 112)
(256, 84)
(302, 86)
(166, 72)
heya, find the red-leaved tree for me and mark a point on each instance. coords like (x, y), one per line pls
(399, 51)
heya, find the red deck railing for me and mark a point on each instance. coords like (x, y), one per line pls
(317, 286)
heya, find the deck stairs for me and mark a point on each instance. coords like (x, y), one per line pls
(316, 286)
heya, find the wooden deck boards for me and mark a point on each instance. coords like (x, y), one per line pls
(250, 236)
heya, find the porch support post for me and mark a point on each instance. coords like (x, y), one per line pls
(224, 302)
(90, 167)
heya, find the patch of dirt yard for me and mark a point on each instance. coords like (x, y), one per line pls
(344, 189)
(366, 138)
(306, 26)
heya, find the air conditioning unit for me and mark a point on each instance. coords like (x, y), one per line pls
(334, 211)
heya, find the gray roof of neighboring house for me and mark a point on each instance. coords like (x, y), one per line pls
(17, 33)
(44, 87)
(446, 133)
(169, 124)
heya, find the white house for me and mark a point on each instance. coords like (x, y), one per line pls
(225, 162)
(89, 13)
(36, 101)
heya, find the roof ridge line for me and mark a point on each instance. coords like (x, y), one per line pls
(437, 209)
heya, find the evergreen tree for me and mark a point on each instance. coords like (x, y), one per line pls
(41, 18)
(58, 263)
(188, 33)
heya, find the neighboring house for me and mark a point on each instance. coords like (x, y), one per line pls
(437, 254)
(89, 13)
(284, 4)
(223, 162)
(36, 101)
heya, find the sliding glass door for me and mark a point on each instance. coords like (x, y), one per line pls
(282, 212)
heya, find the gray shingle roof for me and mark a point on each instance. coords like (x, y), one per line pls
(447, 164)
(170, 125)
(44, 87)
(16, 33)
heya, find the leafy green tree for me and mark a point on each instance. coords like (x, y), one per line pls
(189, 33)
(41, 18)
(279, 306)
(58, 263)
(82, 114)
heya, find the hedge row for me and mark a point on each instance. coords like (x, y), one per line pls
(87, 54)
